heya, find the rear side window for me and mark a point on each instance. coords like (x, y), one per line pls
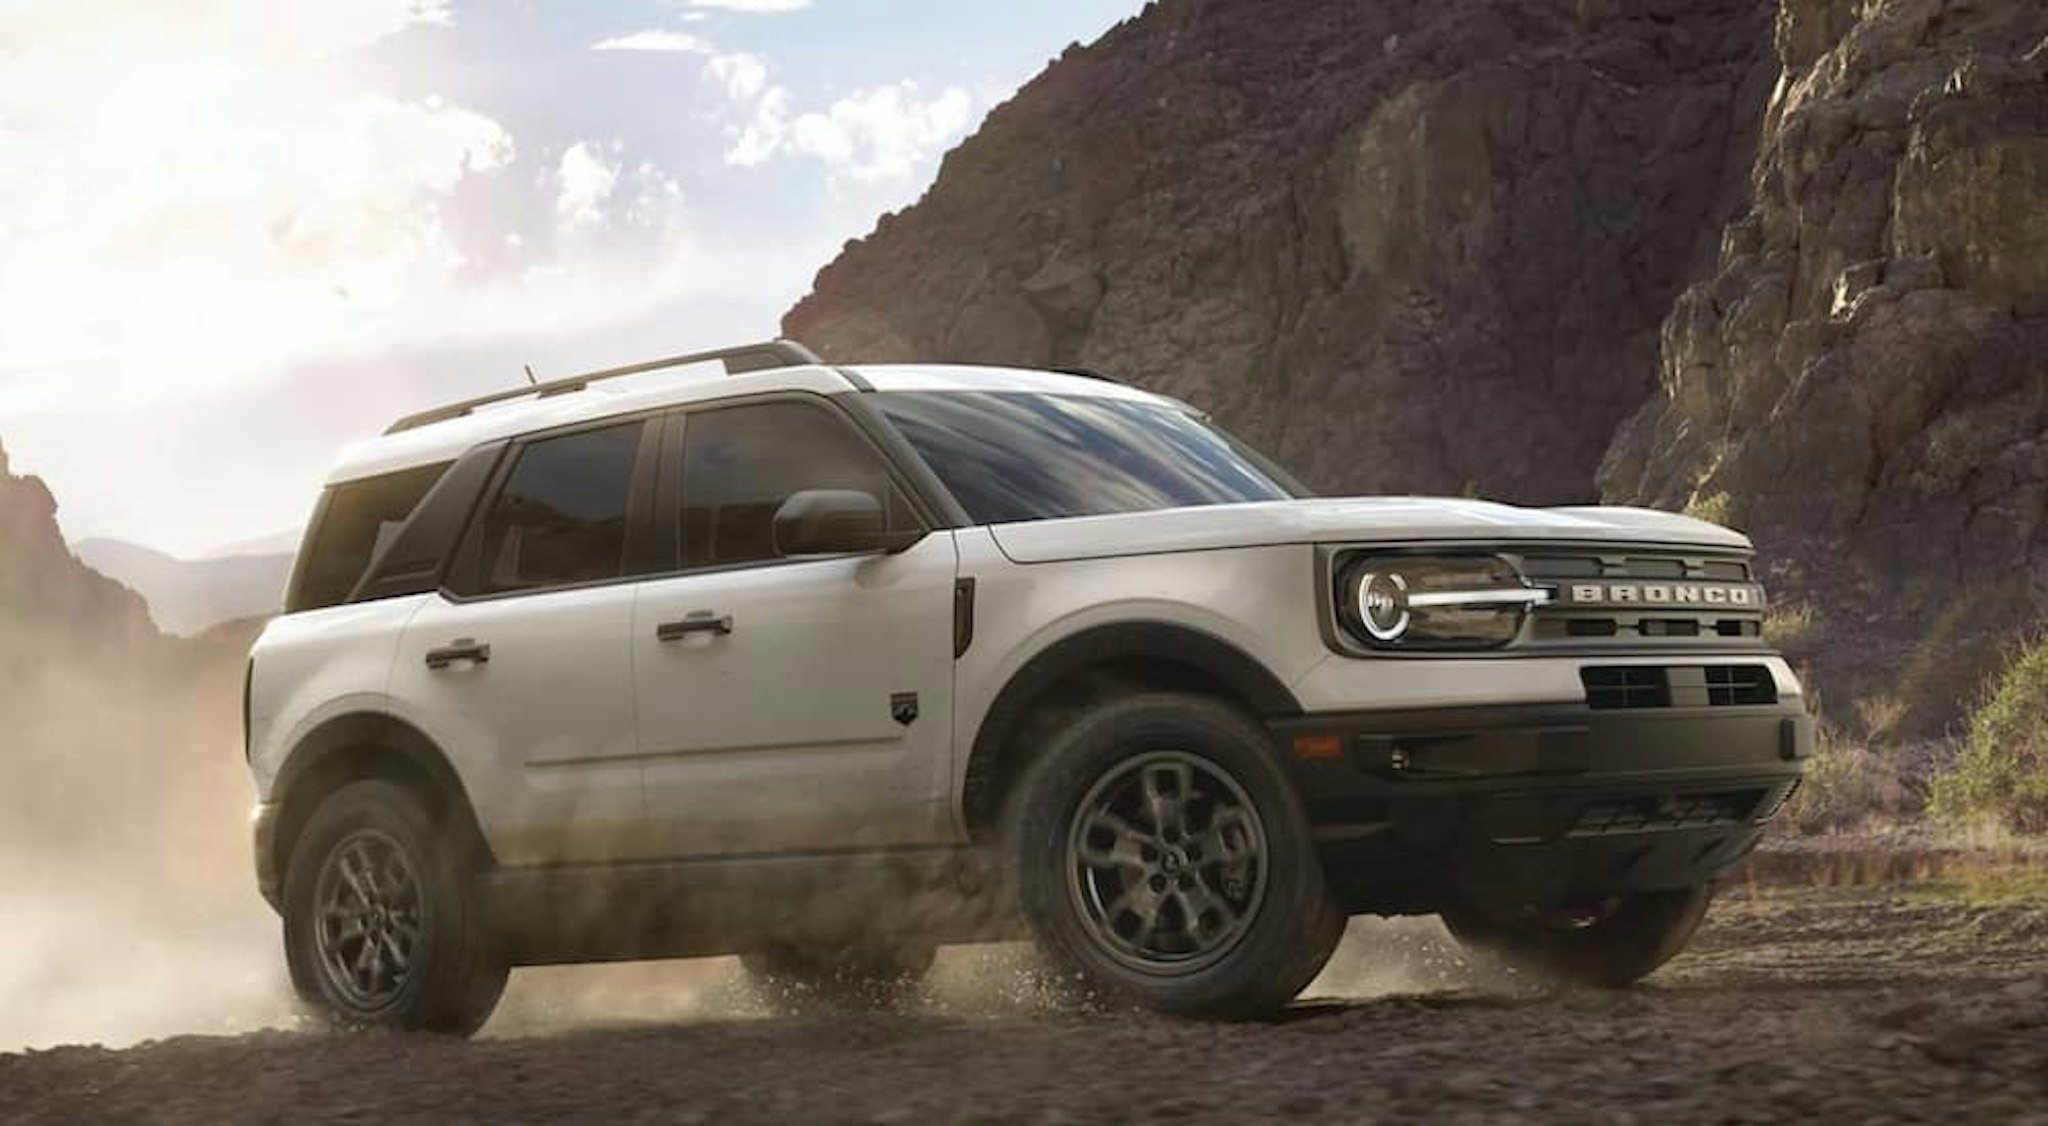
(561, 516)
(356, 519)
(740, 463)
(412, 563)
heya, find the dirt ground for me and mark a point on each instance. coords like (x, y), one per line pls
(1920, 1002)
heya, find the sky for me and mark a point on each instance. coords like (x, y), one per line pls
(236, 235)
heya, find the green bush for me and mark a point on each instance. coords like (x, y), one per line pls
(2001, 778)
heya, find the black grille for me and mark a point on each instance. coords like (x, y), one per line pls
(1661, 812)
(1738, 685)
(1552, 626)
(1580, 566)
(1662, 626)
(1626, 686)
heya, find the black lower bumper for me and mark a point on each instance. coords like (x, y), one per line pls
(1418, 810)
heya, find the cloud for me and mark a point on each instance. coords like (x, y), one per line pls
(883, 133)
(743, 77)
(877, 133)
(587, 182)
(206, 195)
(655, 41)
(752, 5)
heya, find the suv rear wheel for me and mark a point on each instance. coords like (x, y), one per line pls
(382, 923)
(1610, 945)
(1161, 855)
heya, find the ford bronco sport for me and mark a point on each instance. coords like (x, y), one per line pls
(826, 666)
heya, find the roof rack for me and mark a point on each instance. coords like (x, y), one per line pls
(738, 361)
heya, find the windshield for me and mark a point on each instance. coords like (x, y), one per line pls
(1009, 456)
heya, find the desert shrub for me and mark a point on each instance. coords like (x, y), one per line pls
(1714, 508)
(1789, 625)
(2001, 777)
(1851, 785)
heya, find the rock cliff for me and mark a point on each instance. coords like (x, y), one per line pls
(1863, 375)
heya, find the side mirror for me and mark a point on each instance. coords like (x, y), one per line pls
(836, 522)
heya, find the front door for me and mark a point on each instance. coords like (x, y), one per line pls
(791, 704)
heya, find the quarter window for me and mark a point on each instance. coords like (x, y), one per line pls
(741, 463)
(355, 521)
(561, 516)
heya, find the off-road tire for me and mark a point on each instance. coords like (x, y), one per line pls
(1637, 935)
(455, 974)
(1282, 939)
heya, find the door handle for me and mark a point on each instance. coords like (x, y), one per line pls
(462, 649)
(703, 621)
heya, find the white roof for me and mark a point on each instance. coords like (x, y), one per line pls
(444, 441)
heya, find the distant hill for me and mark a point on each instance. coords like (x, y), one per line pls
(189, 596)
(285, 542)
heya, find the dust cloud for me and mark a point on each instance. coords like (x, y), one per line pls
(128, 908)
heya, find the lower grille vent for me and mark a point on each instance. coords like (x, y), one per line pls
(1653, 814)
(1735, 685)
(1626, 686)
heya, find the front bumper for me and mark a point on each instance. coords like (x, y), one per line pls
(1499, 806)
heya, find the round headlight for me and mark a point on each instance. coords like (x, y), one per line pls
(1383, 604)
(1434, 602)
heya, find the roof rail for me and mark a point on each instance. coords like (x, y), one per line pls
(738, 361)
(1088, 373)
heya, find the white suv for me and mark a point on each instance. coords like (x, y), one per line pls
(827, 666)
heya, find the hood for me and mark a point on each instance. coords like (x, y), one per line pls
(1390, 520)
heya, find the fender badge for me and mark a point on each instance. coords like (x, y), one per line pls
(903, 706)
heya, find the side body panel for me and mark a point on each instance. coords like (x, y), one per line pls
(820, 722)
(307, 669)
(541, 733)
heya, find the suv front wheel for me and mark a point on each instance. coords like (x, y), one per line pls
(382, 922)
(1161, 855)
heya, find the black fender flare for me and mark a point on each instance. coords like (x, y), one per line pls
(343, 749)
(1162, 645)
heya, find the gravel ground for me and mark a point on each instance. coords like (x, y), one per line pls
(1926, 1002)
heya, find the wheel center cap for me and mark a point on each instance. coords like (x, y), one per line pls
(1172, 860)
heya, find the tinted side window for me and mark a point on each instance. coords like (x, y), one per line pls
(741, 463)
(561, 516)
(354, 520)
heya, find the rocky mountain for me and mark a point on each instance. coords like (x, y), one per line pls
(188, 596)
(122, 746)
(1419, 245)
(1781, 261)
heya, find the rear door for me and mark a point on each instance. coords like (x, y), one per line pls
(790, 704)
(520, 667)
